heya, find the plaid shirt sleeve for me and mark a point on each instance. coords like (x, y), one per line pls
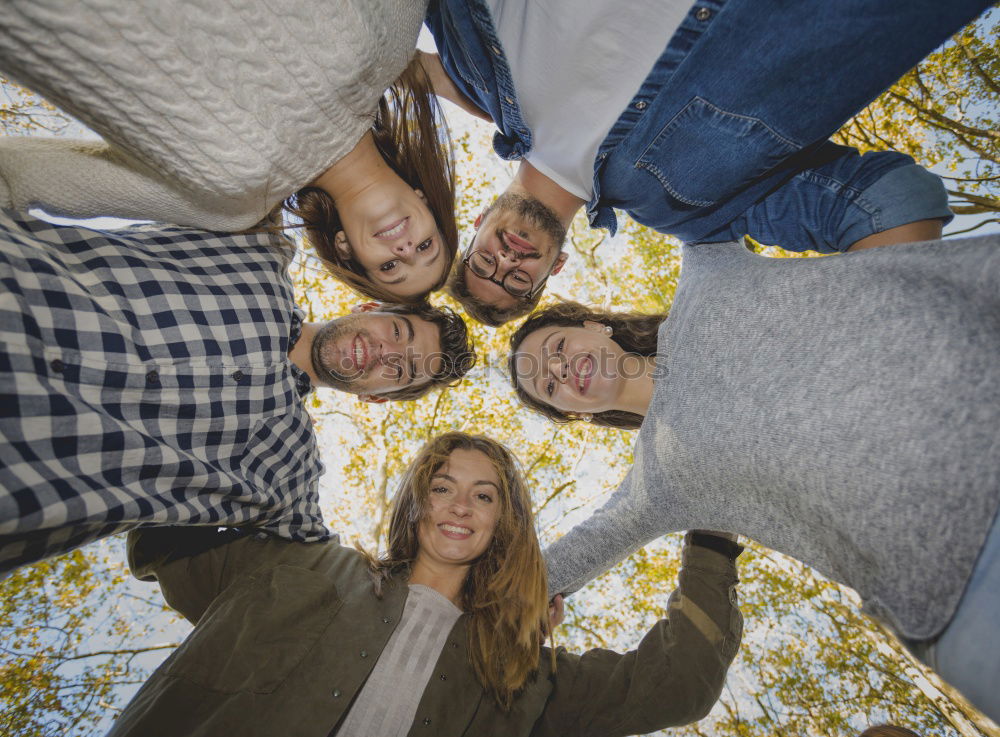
(144, 379)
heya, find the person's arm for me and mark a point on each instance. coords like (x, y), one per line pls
(677, 672)
(194, 564)
(85, 179)
(444, 87)
(629, 520)
(190, 563)
(847, 202)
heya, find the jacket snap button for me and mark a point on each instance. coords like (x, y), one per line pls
(426, 722)
(364, 653)
(495, 50)
(336, 693)
(152, 377)
(641, 105)
(703, 14)
(509, 99)
(57, 366)
(238, 375)
(386, 620)
(444, 677)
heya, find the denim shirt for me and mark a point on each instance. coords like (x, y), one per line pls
(728, 133)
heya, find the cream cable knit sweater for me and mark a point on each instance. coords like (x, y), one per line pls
(213, 111)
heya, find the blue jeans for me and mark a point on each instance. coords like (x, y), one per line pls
(967, 654)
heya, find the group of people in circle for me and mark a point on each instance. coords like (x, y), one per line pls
(844, 410)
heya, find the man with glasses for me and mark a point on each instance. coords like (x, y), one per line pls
(517, 246)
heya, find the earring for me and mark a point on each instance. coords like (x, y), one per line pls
(608, 330)
(585, 416)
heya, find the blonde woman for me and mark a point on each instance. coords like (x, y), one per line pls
(442, 634)
(214, 113)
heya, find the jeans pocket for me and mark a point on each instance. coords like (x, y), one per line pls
(705, 154)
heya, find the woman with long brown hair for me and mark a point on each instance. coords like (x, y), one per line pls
(442, 633)
(844, 411)
(213, 114)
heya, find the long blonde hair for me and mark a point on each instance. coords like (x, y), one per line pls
(411, 136)
(505, 590)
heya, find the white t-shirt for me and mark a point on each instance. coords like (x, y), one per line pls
(576, 64)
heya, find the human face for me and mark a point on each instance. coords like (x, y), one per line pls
(517, 232)
(573, 369)
(462, 510)
(392, 233)
(370, 352)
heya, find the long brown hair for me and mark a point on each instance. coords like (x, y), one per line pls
(411, 136)
(632, 331)
(505, 590)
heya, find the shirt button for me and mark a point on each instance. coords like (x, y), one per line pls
(364, 653)
(238, 375)
(703, 14)
(641, 105)
(336, 693)
(57, 366)
(152, 377)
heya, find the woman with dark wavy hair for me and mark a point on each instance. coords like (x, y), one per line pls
(441, 633)
(633, 333)
(213, 114)
(844, 411)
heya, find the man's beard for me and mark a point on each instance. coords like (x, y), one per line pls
(341, 377)
(532, 210)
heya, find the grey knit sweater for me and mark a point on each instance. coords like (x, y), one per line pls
(844, 411)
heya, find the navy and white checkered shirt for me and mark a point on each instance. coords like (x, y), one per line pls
(144, 378)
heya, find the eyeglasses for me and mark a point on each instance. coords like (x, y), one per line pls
(515, 282)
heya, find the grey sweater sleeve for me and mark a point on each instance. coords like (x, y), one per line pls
(628, 521)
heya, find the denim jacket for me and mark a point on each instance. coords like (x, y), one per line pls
(728, 134)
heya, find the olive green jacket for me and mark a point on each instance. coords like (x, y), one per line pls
(286, 634)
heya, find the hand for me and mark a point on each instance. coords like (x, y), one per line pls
(556, 612)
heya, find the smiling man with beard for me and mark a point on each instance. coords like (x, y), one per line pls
(518, 245)
(156, 375)
(383, 352)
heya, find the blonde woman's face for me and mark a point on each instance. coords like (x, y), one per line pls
(391, 232)
(462, 510)
(573, 369)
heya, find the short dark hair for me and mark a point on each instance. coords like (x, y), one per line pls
(457, 352)
(480, 311)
